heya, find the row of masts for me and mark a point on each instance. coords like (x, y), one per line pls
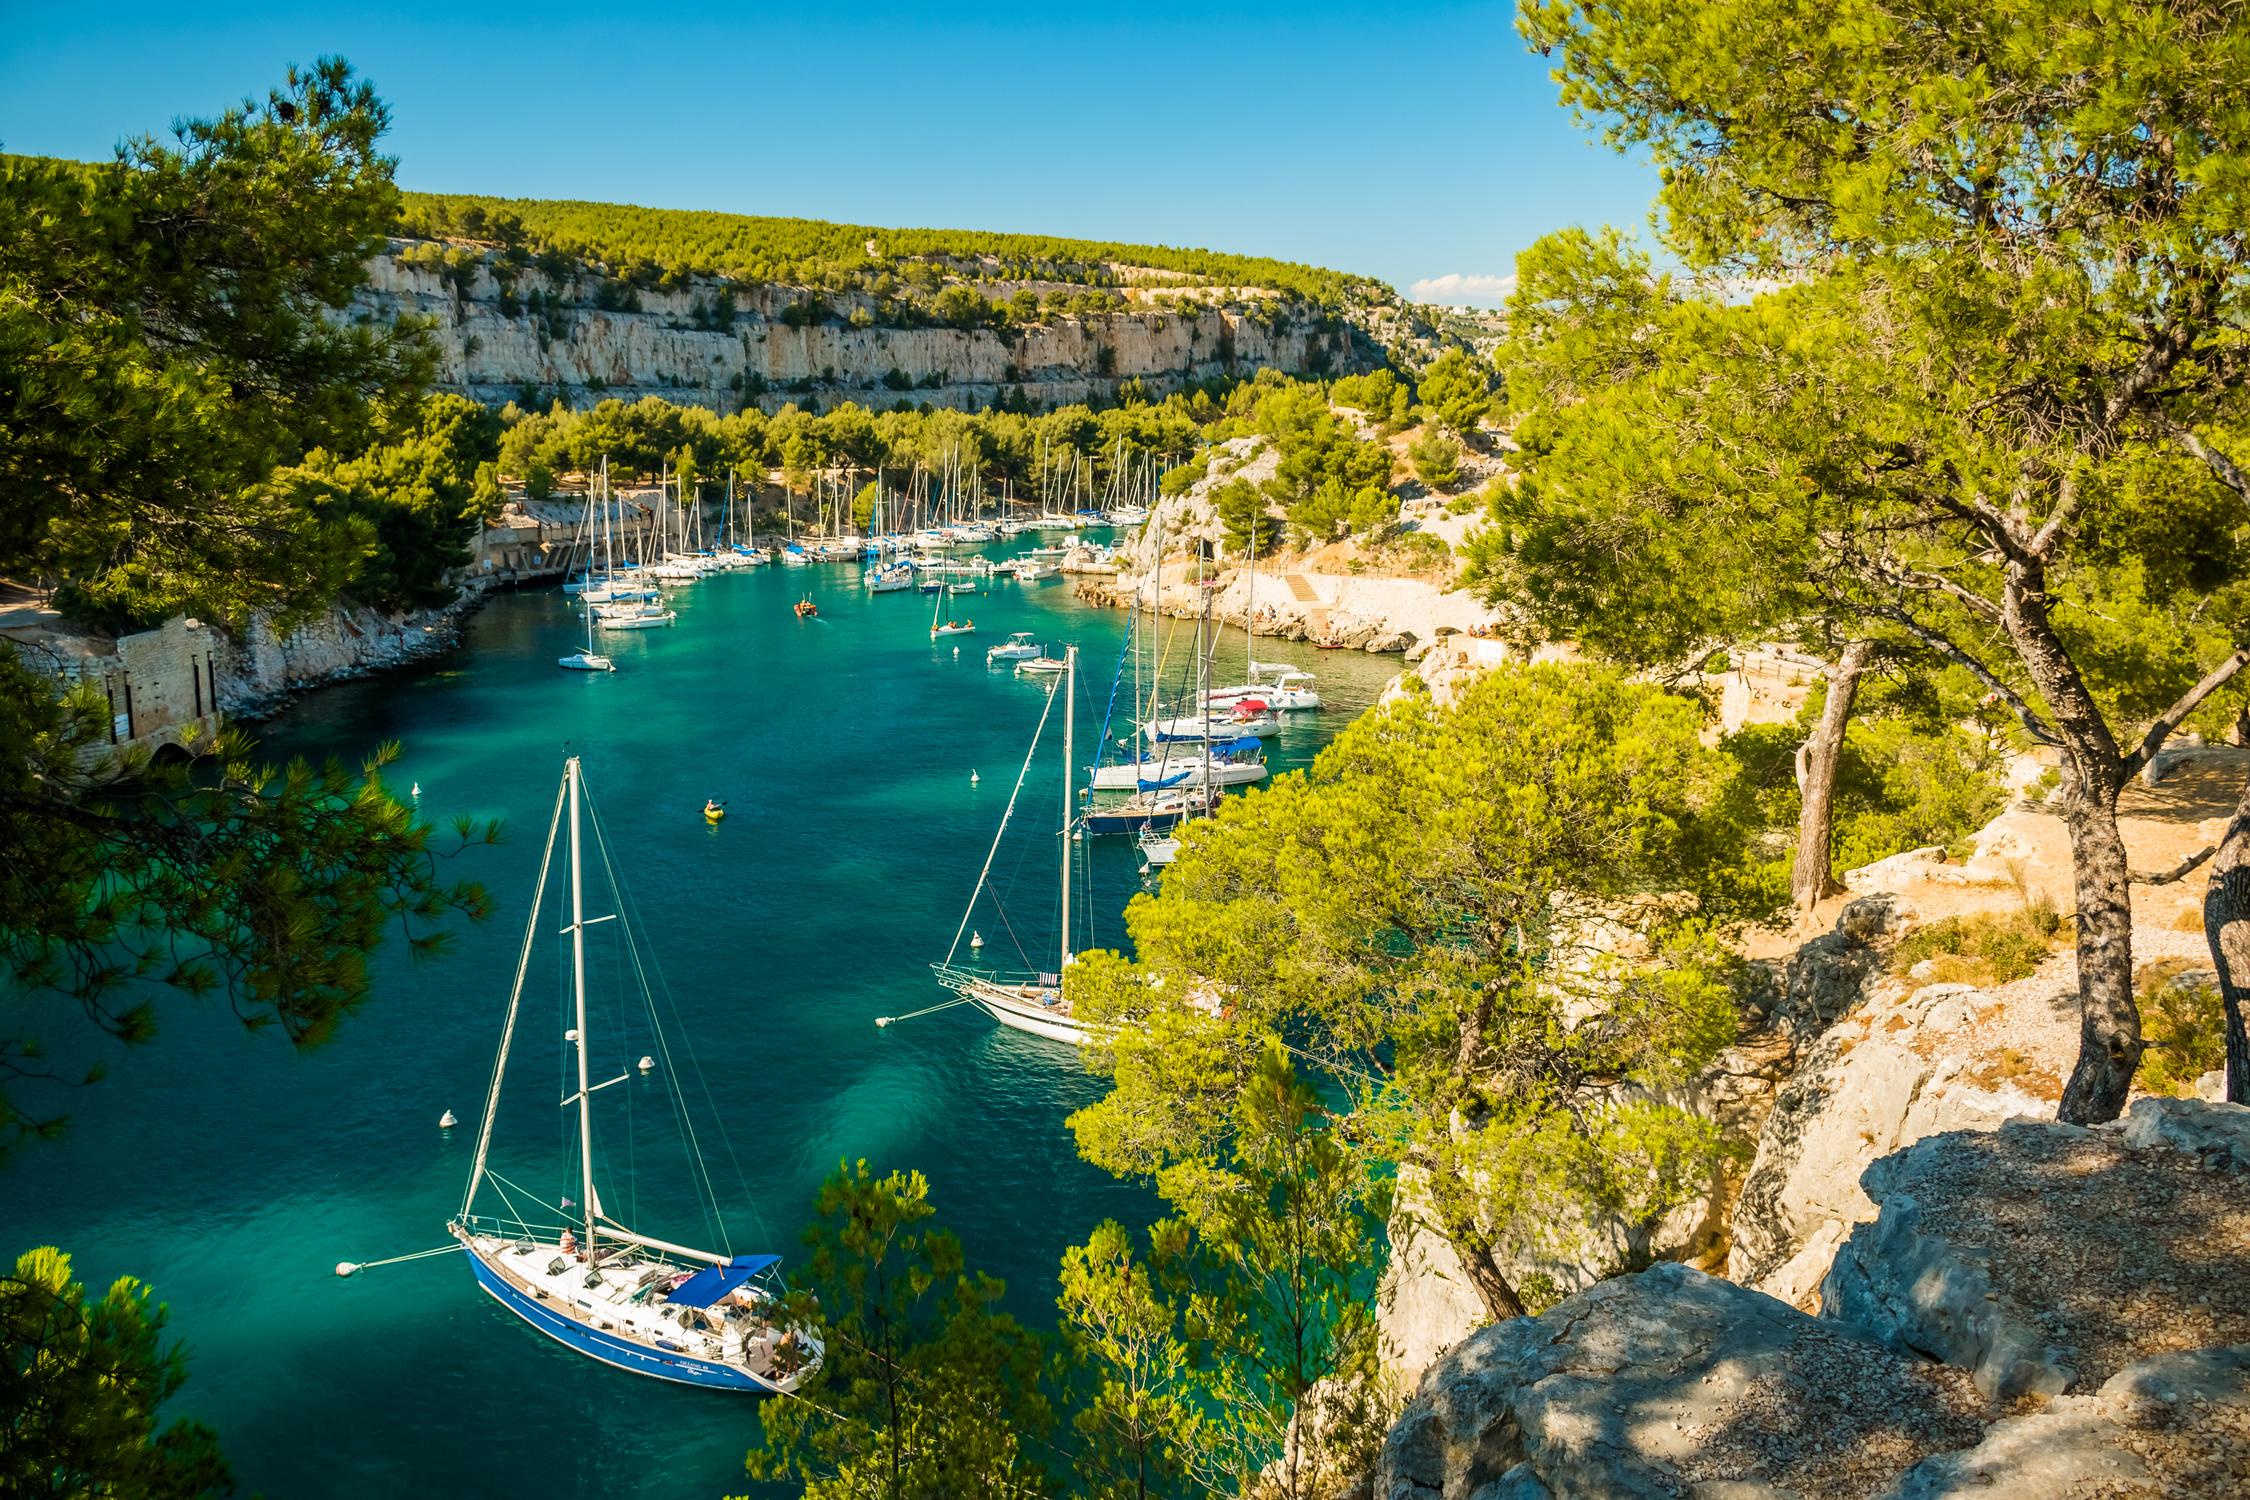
(955, 493)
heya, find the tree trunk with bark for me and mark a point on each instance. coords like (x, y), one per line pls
(2109, 1018)
(2226, 922)
(1817, 758)
(1474, 1251)
(2095, 771)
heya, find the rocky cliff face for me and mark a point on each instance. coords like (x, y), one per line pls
(2040, 1310)
(255, 674)
(491, 353)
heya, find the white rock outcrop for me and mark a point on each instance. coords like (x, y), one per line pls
(255, 672)
(1666, 1384)
(2173, 1424)
(1852, 1102)
(2038, 1307)
(490, 349)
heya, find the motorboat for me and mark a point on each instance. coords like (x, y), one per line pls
(1290, 689)
(1041, 666)
(1128, 515)
(652, 621)
(1018, 647)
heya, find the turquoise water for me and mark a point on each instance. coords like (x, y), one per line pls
(234, 1175)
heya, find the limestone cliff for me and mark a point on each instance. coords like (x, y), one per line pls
(492, 346)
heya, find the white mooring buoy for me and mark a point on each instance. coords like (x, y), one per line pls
(446, 1121)
(881, 1022)
(571, 1035)
(976, 940)
(974, 778)
(647, 1063)
(345, 1268)
(417, 788)
(956, 650)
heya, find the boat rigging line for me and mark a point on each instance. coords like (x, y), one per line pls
(1044, 715)
(349, 1268)
(515, 996)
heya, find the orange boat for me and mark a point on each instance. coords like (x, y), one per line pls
(806, 607)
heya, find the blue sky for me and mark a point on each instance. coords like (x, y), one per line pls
(1413, 144)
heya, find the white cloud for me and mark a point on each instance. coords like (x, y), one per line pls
(1454, 288)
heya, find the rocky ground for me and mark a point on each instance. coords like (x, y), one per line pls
(1382, 600)
(2073, 1294)
(2039, 1310)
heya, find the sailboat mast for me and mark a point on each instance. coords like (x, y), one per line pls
(578, 993)
(1203, 698)
(1250, 609)
(1070, 704)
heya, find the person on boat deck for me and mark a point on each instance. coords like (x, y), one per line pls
(569, 1243)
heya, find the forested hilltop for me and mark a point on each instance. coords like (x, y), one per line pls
(754, 248)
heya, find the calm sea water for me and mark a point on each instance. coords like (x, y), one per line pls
(233, 1175)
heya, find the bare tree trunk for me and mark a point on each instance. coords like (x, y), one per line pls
(2226, 922)
(1817, 759)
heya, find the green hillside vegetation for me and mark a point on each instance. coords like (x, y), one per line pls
(1330, 484)
(754, 248)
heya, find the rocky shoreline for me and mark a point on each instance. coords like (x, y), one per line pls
(260, 673)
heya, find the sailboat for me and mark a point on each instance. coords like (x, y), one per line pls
(1031, 1002)
(949, 626)
(587, 660)
(1290, 689)
(671, 1311)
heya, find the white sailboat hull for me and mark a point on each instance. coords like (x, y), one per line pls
(1264, 726)
(1010, 1007)
(1223, 773)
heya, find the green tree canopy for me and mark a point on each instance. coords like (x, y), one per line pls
(81, 1384)
(166, 341)
(1489, 925)
(925, 1391)
(2015, 301)
(188, 426)
(1457, 389)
